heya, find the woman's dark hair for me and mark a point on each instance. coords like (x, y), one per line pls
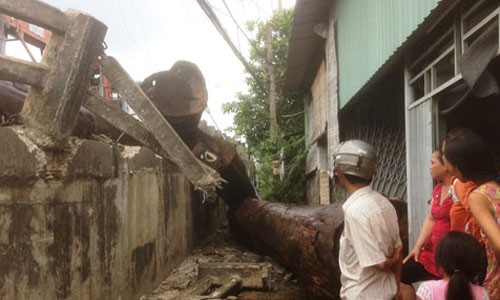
(439, 154)
(462, 258)
(470, 154)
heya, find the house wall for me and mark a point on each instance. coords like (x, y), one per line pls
(317, 158)
(379, 119)
(368, 33)
(94, 221)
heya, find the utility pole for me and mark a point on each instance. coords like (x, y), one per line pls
(272, 84)
(3, 38)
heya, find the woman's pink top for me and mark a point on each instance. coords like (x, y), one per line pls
(436, 290)
(441, 215)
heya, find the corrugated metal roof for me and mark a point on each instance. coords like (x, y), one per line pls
(305, 45)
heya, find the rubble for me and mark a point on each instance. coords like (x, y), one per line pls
(223, 269)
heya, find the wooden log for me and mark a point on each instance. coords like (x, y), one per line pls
(200, 175)
(304, 239)
(178, 92)
(37, 13)
(53, 110)
(20, 71)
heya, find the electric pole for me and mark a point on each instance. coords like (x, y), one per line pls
(3, 38)
(272, 84)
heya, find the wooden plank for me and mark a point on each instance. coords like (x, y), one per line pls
(20, 71)
(199, 174)
(53, 110)
(37, 13)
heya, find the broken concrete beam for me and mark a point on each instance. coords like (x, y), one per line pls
(253, 275)
(53, 110)
(123, 122)
(199, 174)
(37, 13)
(20, 71)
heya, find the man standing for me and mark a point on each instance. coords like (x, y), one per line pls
(370, 246)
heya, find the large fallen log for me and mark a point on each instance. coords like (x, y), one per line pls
(305, 239)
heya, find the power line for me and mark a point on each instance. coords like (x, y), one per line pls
(236, 22)
(126, 27)
(215, 21)
(142, 29)
(207, 110)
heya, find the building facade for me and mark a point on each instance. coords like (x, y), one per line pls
(399, 75)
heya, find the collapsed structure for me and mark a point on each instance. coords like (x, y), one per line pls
(77, 178)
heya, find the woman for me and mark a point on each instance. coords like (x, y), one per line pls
(419, 264)
(467, 157)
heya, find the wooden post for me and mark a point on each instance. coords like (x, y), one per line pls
(53, 110)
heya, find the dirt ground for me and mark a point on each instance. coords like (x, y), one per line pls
(220, 249)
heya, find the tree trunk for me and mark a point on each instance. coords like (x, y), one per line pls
(305, 239)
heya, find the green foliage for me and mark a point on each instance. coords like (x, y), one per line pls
(252, 117)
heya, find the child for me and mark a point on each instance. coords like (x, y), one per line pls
(463, 261)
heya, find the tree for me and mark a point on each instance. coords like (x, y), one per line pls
(252, 116)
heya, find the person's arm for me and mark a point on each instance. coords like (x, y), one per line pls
(397, 272)
(391, 262)
(481, 210)
(394, 263)
(425, 234)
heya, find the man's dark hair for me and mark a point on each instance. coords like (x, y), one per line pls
(356, 179)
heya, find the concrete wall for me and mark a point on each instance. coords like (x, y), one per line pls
(95, 221)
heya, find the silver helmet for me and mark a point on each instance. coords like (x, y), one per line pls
(356, 158)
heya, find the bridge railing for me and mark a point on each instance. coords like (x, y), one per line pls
(60, 86)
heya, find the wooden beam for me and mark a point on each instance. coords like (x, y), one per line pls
(199, 174)
(37, 13)
(53, 110)
(20, 71)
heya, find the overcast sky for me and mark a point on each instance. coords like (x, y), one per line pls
(151, 35)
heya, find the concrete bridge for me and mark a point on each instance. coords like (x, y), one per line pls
(90, 218)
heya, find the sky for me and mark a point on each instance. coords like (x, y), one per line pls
(148, 36)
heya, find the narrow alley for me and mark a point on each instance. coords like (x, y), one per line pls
(221, 268)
